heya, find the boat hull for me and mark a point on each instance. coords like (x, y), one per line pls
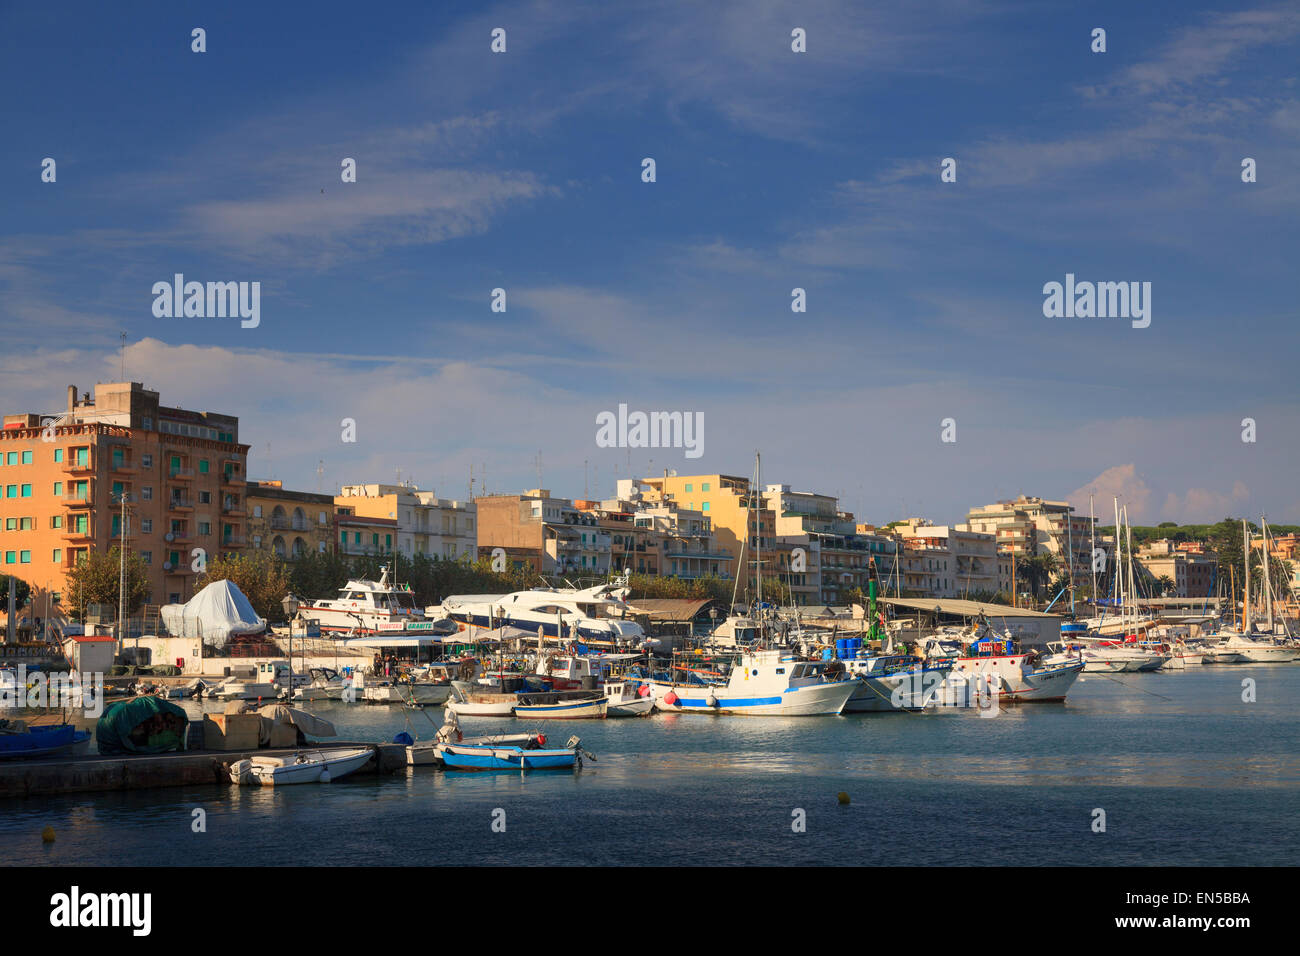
(321, 766)
(636, 707)
(806, 701)
(564, 710)
(416, 692)
(461, 757)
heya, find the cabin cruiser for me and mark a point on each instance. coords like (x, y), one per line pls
(1237, 648)
(994, 664)
(560, 615)
(268, 680)
(325, 684)
(761, 682)
(366, 607)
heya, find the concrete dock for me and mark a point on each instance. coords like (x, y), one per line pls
(94, 772)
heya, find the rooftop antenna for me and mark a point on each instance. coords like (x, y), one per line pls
(471, 481)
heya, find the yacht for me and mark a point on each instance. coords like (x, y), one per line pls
(367, 607)
(592, 615)
(1237, 648)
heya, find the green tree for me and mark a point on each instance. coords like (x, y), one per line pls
(22, 591)
(261, 575)
(94, 579)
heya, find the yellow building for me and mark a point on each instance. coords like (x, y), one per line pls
(289, 523)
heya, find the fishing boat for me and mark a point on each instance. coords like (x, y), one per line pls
(265, 682)
(562, 705)
(464, 756)
(304, 766)
(366, 607)
(626, 700)
(469, 701)
(20, 740)
(406, 692)
(769, 683)
(895, 682)
(995, 665)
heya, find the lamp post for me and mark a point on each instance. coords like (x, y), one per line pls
(290, 605)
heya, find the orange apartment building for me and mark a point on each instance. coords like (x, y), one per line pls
(63, 477)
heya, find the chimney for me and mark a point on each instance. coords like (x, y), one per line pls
(72, 398)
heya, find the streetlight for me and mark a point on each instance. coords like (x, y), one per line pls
(290, 605)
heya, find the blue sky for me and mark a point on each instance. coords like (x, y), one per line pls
(775, 170)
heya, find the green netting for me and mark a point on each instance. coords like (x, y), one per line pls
(141, 725)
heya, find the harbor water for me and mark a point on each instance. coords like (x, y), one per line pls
(1185, 771)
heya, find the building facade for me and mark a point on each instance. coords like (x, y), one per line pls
(425, 524)
(65, 478)
(289, 523)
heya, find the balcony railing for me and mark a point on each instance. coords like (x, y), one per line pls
(233, 540)
(180, 474)
(77, 499)
(232, 478)
(180, 504)
(85, 466)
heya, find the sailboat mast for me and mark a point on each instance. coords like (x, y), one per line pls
(1069, 554)
(1132, 581)
(1268, 582)
(1245, 601)
(1118, 590)
(1092, 559)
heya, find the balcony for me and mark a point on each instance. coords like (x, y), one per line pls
(232, 478)
(123, 466)
(233, 541)
(78, 499)
(85, 466)
(180, 474)
(229, 507)
(72, 534)
(178, 537)
(180, 504)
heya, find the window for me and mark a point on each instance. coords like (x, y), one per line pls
(58, 489)
(146, 525)
(205, 527)
(174, 557)
(11, 458)
(374, 539)
(146, 557)
(203, 466)
(57, 555)
(322, 517)
(27, 458)
(257, 512)
(58, 454)
(205, 497)
(25, 524)
(79, 523)
(388, 542)
(146, 461)
(146, 493)
(704, 486)
(56, 521)
(11, 524)
(689, 488)
(705, 506)
(147, 422)
(24, 557)
(343, 539)
(356, 537)
(9, 557)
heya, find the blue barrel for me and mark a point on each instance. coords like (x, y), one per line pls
(828, 654)
(842, 648)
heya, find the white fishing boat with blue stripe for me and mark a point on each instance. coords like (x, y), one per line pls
(767, 683)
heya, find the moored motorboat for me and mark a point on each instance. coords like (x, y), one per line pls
(303, 766)
(562, 705)
(20, 740)
(487, 756)
(767, 683)
(467, 701)
(627, 700)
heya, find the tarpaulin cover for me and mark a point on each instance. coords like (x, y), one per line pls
(216, 613)
(141, 725)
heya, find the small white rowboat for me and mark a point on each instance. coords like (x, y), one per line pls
(305, 766)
